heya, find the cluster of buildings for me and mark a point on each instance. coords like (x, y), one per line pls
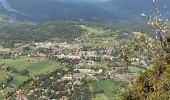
(59, 84)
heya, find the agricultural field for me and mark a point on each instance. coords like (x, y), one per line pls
(101, 97)
(98, 36)
(108, 88)
(131, 69)
(33, 65)
(98, 32)
(18, 79)
(3, 75)
(99, 65)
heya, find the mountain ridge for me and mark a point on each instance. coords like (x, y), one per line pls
(45, 10)
(42, 10)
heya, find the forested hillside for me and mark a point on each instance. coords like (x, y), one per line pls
(68, 31)
(40, 32)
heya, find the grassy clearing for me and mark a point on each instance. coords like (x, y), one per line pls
(110, 88)
(101, 97)
(17, 80)
(33, 65)
(107, 86)
(132, 69)
(3, 75)
(100, 36)
(96, 31)
(100, 65)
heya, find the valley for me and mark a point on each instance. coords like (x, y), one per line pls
(72, 47)
(84, 50)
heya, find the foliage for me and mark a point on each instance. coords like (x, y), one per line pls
(138, 44)
(154, 83)
(14, 33)
(32, 65)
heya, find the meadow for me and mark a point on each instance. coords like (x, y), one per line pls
(3, 75)
(33, 65)
(98, 32)
(131, 69)
(109, 87)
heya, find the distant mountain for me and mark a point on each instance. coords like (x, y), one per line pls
(80, 10)
(132, 9)
(42, 10)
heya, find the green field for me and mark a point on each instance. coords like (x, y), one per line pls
(95, 31)
(100, 65)
(101, 37)
(132, 69)
(101, 97)
(108, 86)
(18, 79)
(33, 65)
(3, 75)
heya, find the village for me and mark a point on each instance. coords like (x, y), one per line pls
(78, 63)
(84, 50)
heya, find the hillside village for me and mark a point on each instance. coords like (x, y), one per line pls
(78, 64)
(68, 70)
(84, 50)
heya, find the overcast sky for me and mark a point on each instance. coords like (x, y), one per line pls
(94, 0)
(85, 0)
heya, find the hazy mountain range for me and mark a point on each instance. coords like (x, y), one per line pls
(80, 10)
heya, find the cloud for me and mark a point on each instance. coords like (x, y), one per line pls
(7, 6)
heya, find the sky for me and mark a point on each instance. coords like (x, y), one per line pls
(85, 0)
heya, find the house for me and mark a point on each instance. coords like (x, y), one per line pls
(91, 62)
(94, 72)
(69, 56)
(66, 69)
(64, 45)
(78, 75)
(89, 71)
(67, 77)
(83, 71)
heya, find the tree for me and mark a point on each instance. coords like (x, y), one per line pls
(154, 83)
(124, 51)
(138, 44)
(24, 72)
